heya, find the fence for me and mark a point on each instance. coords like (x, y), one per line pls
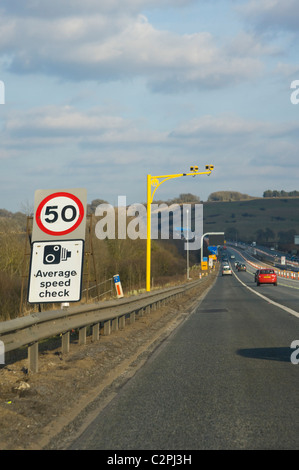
(110, 315)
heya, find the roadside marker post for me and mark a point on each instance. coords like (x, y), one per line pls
(118, 287)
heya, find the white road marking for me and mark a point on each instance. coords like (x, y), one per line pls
(283, 307)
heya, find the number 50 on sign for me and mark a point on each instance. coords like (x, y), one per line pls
(59, 214)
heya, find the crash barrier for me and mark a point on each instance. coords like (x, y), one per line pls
(108, 315)
(281, 273)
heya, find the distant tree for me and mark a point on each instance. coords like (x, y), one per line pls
(94, 204)
(185, 198)
(282, 193)
(287, 236)
(263, 236)
(228, 196)
(269, 234)
(232, 233)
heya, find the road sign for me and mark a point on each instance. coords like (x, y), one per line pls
(56, 271)
(204, 265)
(59, 215)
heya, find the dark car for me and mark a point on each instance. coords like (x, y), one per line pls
(241, 267)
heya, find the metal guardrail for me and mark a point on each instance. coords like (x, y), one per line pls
(111, 315)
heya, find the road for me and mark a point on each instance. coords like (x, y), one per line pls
(222, 380)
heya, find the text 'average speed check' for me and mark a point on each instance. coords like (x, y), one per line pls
(56, 271)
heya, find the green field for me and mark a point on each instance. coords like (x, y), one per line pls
(270, 220)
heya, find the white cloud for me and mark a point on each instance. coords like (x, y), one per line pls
(112, 55)
(254, 44)
(272, 14)
(115, 47)
(64, 8)
(236, 143)
(92, 131)
(227, 126)
(61, 121)
(287, 70)
(54, 126)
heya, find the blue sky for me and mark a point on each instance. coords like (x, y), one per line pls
(100, 93)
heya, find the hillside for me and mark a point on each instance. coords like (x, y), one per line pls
(267, 220)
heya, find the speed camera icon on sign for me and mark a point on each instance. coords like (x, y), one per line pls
(54, 254)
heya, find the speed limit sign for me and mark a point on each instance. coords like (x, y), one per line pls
(59, 214)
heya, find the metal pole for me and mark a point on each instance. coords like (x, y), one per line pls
(148, 236)
(187, 245)
(201, 243)
(157, 181)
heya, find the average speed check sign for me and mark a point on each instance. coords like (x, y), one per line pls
(59, 214)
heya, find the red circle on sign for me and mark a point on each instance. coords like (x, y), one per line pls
(53, 196)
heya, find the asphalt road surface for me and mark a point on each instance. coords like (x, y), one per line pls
(223, 380)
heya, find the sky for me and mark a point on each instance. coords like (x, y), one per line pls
(100, 93)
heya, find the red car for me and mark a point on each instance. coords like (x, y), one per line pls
(266, 276)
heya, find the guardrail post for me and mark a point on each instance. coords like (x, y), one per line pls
(2, 353)
(65, 343)
(33, 357)
(82, 335)
(96, 332)
(140, 313)
(132, 317)
(122, 322)
(114, 325)
(107, 328)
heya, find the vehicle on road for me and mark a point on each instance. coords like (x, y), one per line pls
(226, 270)
(241, 267)
(266, 276)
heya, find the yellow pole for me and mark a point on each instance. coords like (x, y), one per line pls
(148, 239)
(156, 181)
